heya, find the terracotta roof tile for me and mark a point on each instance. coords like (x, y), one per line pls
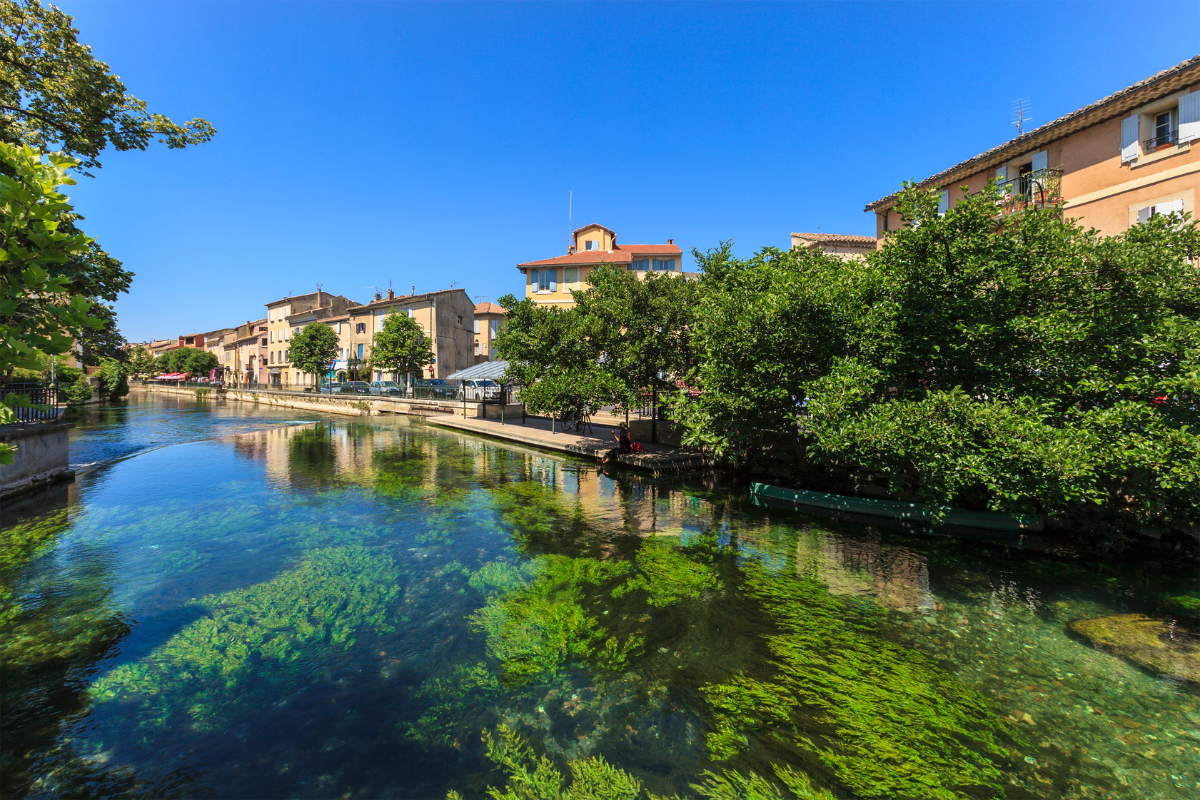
(1108, 107)
(837, 238)
(622, 254)
(489, 308)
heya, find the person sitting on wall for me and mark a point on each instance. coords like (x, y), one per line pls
(624, 444)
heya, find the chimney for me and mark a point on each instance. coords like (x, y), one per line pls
(570, 249)
(378, 296)
(391, 294)
(670, 241)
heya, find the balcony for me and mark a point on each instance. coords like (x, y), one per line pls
(1160, 141)
(1032, 190)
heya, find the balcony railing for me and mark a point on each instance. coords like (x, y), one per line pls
(1032, 190)
(1150, 145)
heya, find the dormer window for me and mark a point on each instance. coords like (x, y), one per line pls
(591, 244)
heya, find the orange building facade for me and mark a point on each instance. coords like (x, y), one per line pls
(1110, 165)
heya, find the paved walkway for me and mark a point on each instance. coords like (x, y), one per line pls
(657, 458)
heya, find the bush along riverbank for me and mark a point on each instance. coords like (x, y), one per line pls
(1023, 365)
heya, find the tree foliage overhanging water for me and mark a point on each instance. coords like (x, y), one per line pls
(1020, 364)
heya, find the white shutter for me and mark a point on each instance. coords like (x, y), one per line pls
(1129, 138)
(1173, 207)
(1189, 117)
(1040, 160)
(553, 280)
(1144, 215)
(944, 203)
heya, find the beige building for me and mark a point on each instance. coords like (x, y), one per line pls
(489, 318)
(1111, 164)
(216, 343)
(249, 348)
(835, 244)
(550, 281)
(287, 317)
(446, 317)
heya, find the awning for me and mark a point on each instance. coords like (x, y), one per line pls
(174, 376)
(487, 369)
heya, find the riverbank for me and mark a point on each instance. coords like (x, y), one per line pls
(345, 405)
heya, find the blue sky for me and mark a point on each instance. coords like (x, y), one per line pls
(426, 144)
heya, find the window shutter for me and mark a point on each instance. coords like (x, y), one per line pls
(944, 203)
(533, 279)
(1129, 139)
(553, 280)
(1173, 207)
(1041, 160)
(1144, 214)
(1189, 117)
(1002, 174)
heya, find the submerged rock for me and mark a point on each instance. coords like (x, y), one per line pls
(1155, 644)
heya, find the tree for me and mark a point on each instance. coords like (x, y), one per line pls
(141, 361)
(401, 346)
(551, 358)
(314, 348)
(187, 359)
(53, 92)
(113, 377)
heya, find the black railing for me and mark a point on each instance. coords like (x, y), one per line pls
(45, 397)
(1032, 190)
(1150, 145)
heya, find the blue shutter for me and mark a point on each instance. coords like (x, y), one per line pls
(533, 279)
(553, 280)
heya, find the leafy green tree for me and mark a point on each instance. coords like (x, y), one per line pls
(314, 348)
(401, 346)
(1021, 363)
(103, 343)
(53, 92)
(187, 359)
(141, 361)
(551, 358)
(113, 376)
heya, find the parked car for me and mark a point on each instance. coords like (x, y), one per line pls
(356, 387)
(435, 387)
(333, 388)
(385, 388)
(479, 389)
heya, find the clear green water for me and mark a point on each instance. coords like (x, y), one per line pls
(341, 608)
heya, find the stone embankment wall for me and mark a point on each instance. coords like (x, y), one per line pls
(40, 460)
(349, 405)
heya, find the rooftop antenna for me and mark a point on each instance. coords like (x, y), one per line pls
(1022, 115)
(570, 209)
(376, 288)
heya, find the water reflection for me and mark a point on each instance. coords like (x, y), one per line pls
(343, 607)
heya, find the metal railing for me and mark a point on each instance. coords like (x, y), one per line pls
(1150, 145)
(44, 396)
(1032, 190)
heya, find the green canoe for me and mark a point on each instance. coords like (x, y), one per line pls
(894, 509)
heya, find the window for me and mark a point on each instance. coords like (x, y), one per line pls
(1164, 134)
(664, 264)
(478, 348)
(264, 342)
(591, 244)
(460, 320)
(409, 312)
(495, 325)
(944, 199)
(272, 355)
(544, 280)
(360, 328)
(642, 264)
(570, 277)
(476, 327)
(1159, 209)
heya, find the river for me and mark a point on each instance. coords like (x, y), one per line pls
(239, 602)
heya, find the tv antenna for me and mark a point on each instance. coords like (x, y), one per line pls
(375, 288)
(1022, 114)
(570, 208)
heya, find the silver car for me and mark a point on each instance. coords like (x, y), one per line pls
(386, 388)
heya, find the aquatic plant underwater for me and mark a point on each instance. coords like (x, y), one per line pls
(413, 613)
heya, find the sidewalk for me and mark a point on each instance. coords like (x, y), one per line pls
(657, 459)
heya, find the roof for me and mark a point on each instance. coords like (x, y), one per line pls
(335, 319)
(1169, 80)
(403, 298)
(622, 254)
(489, 308)
(484, 369)
(577, 231)
(837, 238)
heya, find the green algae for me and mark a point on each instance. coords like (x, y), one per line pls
(885, 720)
(334, 596)
(669, 576)
(538, 625)
(530, 777)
